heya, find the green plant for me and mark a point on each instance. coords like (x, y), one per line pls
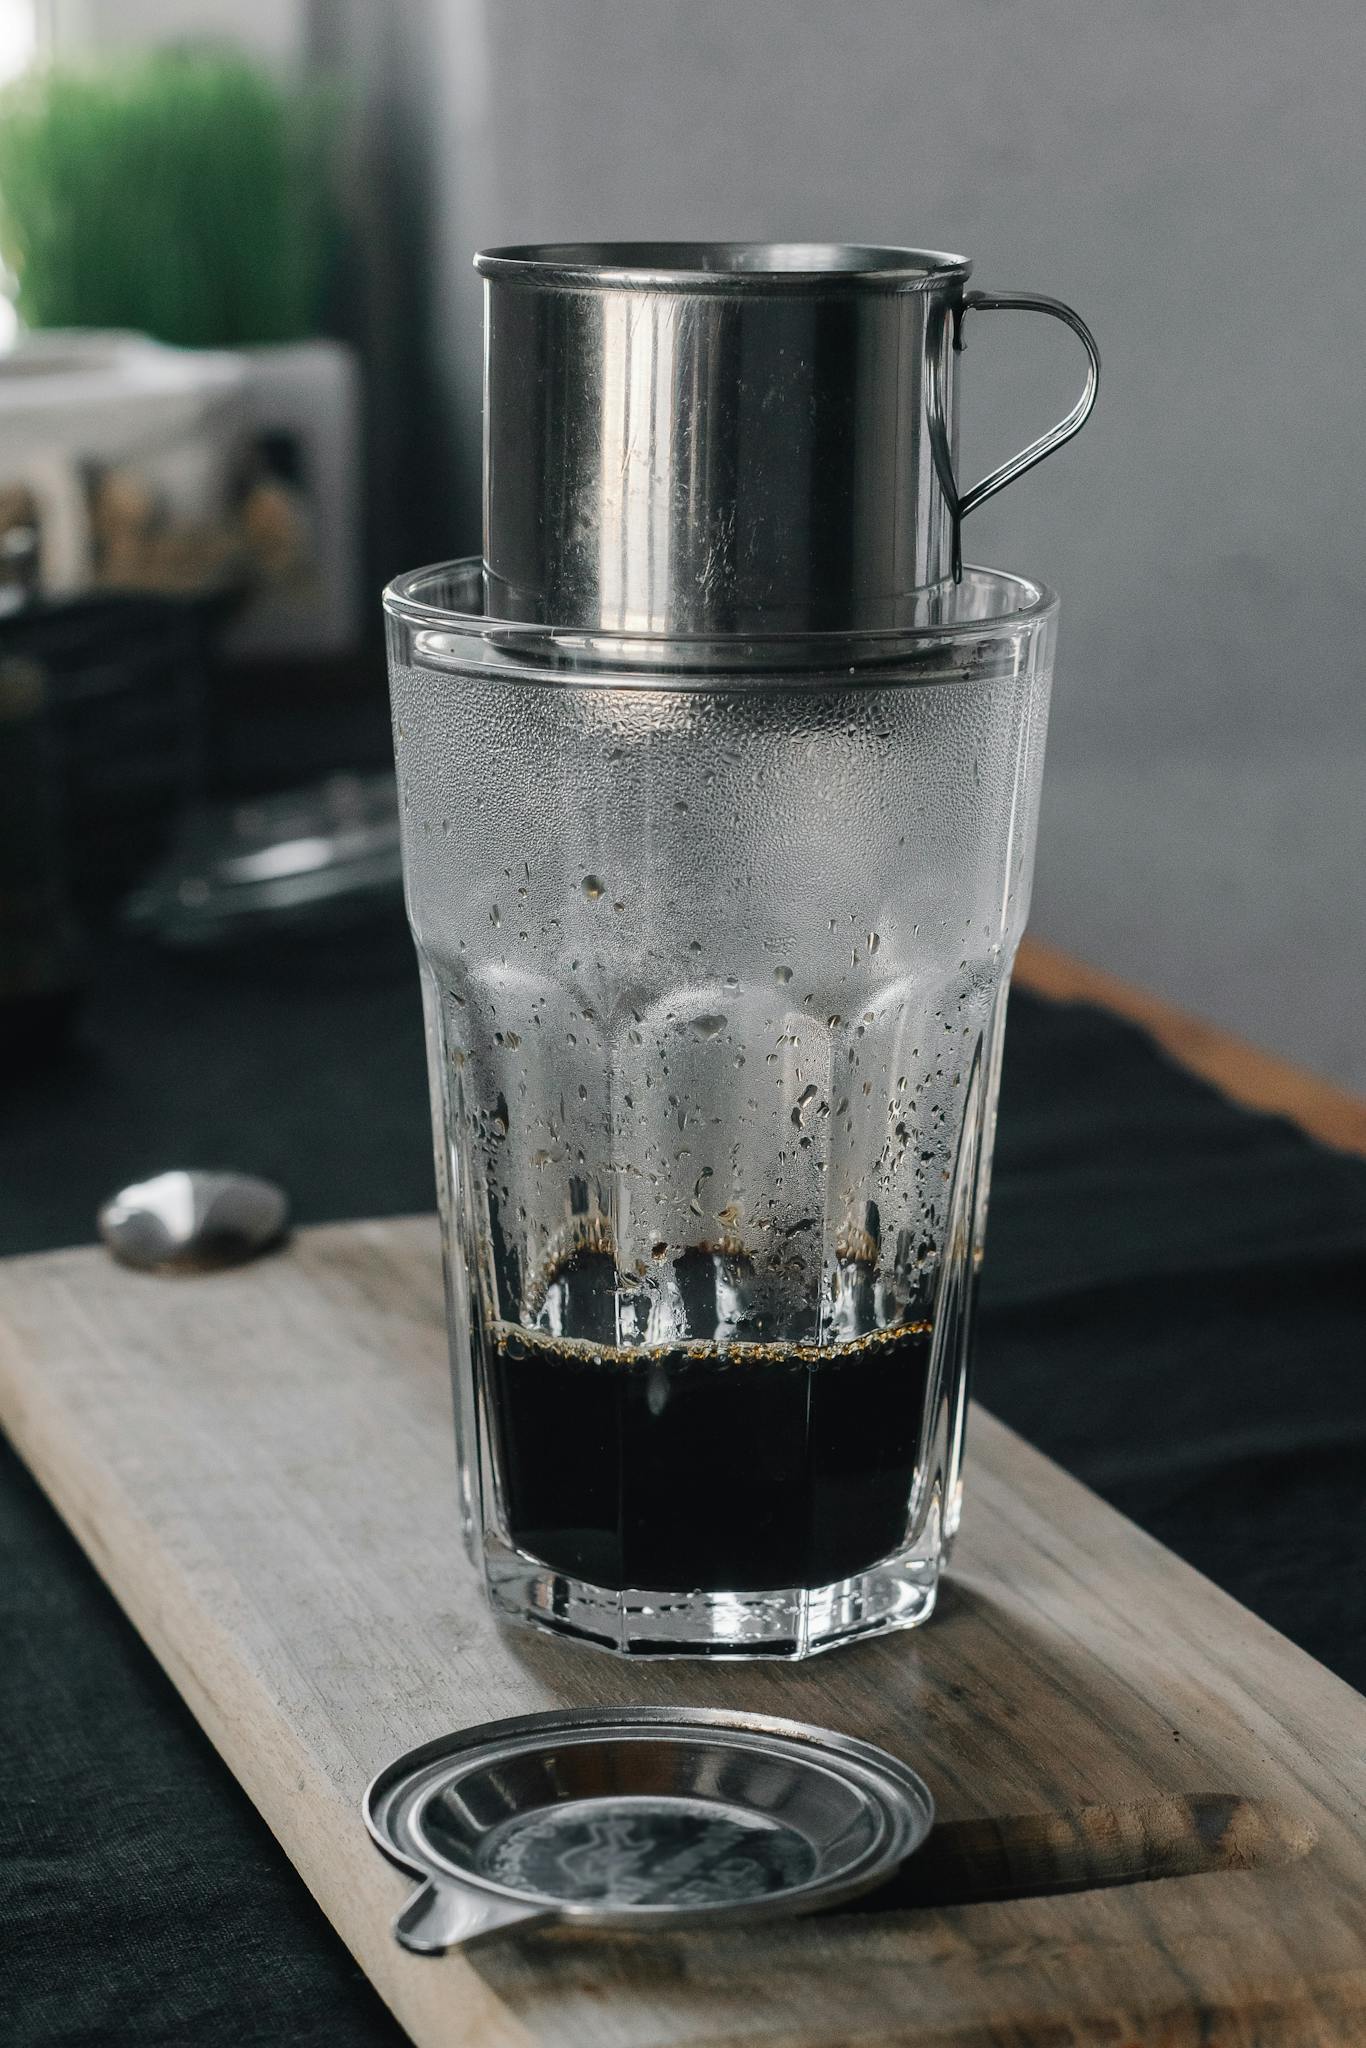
(187, 194)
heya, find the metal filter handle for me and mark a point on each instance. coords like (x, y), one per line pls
(961, 503)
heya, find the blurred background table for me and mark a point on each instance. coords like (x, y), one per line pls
(1175, 1302)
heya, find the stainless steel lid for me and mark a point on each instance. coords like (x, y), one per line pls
(639, 1817)
(190, 1221)
(729, 437)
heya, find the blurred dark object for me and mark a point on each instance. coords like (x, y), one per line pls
(278, 724)
(39, 947)
(20, 556)
(124, 680)
(309, 858)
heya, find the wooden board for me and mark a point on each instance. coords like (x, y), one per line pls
(260, 1464)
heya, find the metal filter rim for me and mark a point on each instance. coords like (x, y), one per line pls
(399, 1794)
(721, 268)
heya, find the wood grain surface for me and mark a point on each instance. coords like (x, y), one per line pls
(1151, 1805)
(1260, 1079)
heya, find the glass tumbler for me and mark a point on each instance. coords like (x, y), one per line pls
(715, 938)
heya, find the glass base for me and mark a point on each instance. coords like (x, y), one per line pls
(790, 1622)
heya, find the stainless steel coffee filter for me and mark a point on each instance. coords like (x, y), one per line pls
(639, 1817)
(730, 437)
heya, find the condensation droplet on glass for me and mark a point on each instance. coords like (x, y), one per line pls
(709, 1026)
(782, 975)
(592, 887)
(803, 1103)
(495, 916)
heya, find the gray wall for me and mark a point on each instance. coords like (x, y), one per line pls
(1192, 178)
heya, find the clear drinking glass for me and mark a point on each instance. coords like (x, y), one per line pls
(715, 939)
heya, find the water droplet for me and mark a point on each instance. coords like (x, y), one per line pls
(679, 804)
(583, 1093)
(782, 975)
(803, 1103)
(495, 916)
(592, 887)
(695, 946)
(874, 941)
(709, 1026)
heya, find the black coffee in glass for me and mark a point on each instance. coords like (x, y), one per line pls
(707, 1463)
